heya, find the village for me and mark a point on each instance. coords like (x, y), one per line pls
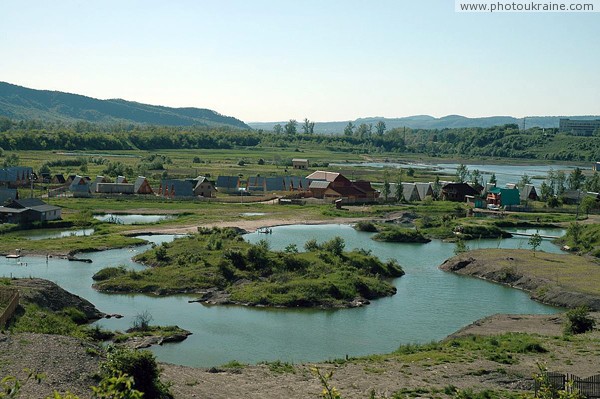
(319, 187)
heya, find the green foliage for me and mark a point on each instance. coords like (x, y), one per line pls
(460, 246)
(579, 321)
(365, 226)
(141, 366)
(325, 276)
(141, 321)
(41, 321)
(399, 234)
(534, 242)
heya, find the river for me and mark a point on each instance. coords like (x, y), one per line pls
(429, 304)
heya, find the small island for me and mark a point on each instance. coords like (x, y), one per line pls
(222, 268)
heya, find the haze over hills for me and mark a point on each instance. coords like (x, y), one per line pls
(429, 122)
(21, 103)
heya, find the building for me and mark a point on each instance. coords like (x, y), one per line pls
(318, 188)
(457, 192)
(204, 187)
(425, 190)
(121, 180)
(8, 194)
(256, 184)
(578, 127)
(336, 179)
(504, 197)
(528, 192)
(228, 184)
(115, 188)
(94, 184)
(298, 163)
(16, 176)
(79, 186)
(331, 185)
(596, 167)
(141, 186)
(59, 178)
(28, 211)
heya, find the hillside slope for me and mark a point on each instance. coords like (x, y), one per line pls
(21, 103)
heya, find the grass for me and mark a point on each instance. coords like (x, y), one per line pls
(574, 273)
(220, 258)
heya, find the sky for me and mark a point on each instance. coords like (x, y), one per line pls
(325, 60)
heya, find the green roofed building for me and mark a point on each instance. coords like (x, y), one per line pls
(504, 196)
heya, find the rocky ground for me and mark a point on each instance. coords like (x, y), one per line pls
(70, 364)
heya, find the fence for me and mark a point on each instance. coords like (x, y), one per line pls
(11, 298)
(588, 387)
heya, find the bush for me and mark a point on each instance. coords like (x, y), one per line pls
(142, 366)
(366, 226)
(579, 321)
(141, 321)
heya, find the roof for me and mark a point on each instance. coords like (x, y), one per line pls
(275, 183)
(526, 192)
(364, 186)
(323, 175)
(34, 204)
(300, 160)
(256, 181)
(138, 183)
(183, 188)
(29, 202)
(228, 181)
(347, 191)
(318, 184)
(424, 190)
(121, 179)
(7, 194)
(15, 173)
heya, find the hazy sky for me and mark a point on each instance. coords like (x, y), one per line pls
(272, 60)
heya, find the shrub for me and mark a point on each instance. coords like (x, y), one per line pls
(142, 366)
(141, 321)
(366, 226)
(579, 321)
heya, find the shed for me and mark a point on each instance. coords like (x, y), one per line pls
(299, 163)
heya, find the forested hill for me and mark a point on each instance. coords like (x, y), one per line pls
(21, 103)
(430, 122)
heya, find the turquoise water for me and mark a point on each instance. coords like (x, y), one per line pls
(429, 304)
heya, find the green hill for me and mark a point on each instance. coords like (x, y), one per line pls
(21, 103)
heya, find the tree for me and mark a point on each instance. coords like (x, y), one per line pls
(363, 131)
(493, 179)
(460, 246)
(576, 179)
(587, 204)
(476, 177)
(290, 127)
(574, 232)
(437, 187)
(399, 194)
(461, 173)
(534, 242)
(349, 129)
(308, 127)
(545, 191)
(277, 129)
(593, 183)
(525, 179)
(560, 182)
(386, 186)
(579, 321)
(11, 160)
(380, 128)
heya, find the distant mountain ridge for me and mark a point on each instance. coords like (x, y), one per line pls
(21, 103)
(430, 122)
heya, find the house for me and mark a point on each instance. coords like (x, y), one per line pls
(369, 193)
(457, 192)
(349, 193)
(228, 184)
(275, 184)
(29, 210)
(572, 196)
(425, 190)
(94, 184)
(298, 163)
(8, 194)
(409, 191)
(141, 186)
(46, 177)
(528, 192)
(58, 178)
(256, 184)
(295, 183)
(203, 187)
(171, 188)
(318, 188)
(16, 176)
(121, 180)
(504, 197)
(80, 187)
(336, 179)
(115, 188)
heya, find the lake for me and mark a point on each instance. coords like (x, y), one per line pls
(429, 305)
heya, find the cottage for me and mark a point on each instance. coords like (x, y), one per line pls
(59, 178)
(298, 163)
(228, 184)
(29, 210)
(336, 179)
(528, 192)
(8, 194)
(115, 188)
(425, 190)
(572, 196)
(318, 188)
(16, 176)
(80, 187)
(94, 184)
(203, 187)
(256, 184)
(295, 183)
(141, 186)
(503, 197)
(349, 193)
(369, 193)
(457, 192)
